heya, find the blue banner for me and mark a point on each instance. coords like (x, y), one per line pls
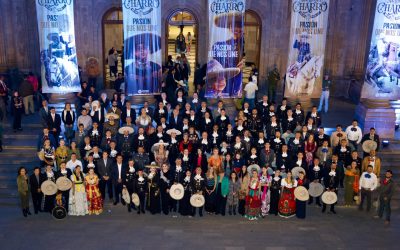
(382, 77)
(225, 54)
(59, 65)
(142, 46)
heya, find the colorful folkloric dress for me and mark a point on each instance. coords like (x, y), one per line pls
(265, 194)
(253, 202)
(78, 204)
(287, 203)
(95, 202)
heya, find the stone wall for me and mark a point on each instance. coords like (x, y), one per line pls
(350, 23)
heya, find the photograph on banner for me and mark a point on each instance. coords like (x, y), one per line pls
(383, 64)
(226, 53)
(59, 64)
(142, 47)
(308, 31)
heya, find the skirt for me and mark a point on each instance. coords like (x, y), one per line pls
(287, 203)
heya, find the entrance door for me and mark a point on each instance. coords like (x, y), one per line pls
(252, 38)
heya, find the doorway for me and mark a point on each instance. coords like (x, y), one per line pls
(252, 38)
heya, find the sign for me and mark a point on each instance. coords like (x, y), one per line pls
(308, 31)
(383, 63)
(142, 46)
(225, 53)
(59, 65)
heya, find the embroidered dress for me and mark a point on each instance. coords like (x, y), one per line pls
(95, 202)
(253, 202)
(287, 203)
(265, 194)
(78, 204)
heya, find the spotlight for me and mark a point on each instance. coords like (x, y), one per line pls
(385, 143)
(396, 127)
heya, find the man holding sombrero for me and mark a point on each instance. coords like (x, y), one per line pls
(142, 75)
(224, 71)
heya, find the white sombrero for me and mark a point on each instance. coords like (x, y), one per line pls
(297, 170)
(329, 197)
(126, 196)
(173, 130)
(49, 188)
(369, 145)
(176, 191)
(122, 129)
(63, 183)
(301, 193)
(252, 167)
(135, 199)
(113, 115)
(156, 145)
(315, 189)
(197, 200)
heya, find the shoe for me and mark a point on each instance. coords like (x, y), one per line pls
(36, 212)
(1, 149)
(115, 203)
(138, 212)
(319, 205)
(201, 214)
(123, 203)
(24, 213)
(28, 212)
(129, 209)
(143, 212)
(323, 210)
(230, 213)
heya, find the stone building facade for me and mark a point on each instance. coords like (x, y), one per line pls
(349, 28)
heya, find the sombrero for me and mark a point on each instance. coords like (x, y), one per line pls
(297, 170)
(59, 213)
(126, 196)
(63, 183)
(156, 145)
(224, 20)
(135, 199)
(197, 200)
(122, 129)
(49, 188)
(315, 189)
(173, 130)
(176, 191)
(252, 167)
(215, 70)
(369, 145)
(152, 41)
(329, 197)
(301, 193)
(152, 165)
(113, 115)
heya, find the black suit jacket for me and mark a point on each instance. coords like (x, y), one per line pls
(104, 170)
(34, 184)
(124, 115)
(114, 172)
(54, 124)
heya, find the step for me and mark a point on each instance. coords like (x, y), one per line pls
(18, 136)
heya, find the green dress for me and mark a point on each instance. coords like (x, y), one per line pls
(23, 191)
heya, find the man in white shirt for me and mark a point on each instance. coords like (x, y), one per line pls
(368, 183)
(354, 134)
(250, 92)
(85, 119)
(71, 164)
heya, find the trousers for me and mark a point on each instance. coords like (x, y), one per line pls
(324, 99)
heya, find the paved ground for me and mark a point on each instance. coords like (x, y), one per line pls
(116, 229)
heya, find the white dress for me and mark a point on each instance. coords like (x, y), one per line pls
(77, 204)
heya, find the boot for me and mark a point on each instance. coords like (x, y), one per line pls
(324, 208)
(230, 210)
(234, 210)
(28, 212)
(24, 212)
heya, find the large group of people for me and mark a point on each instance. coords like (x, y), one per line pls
(239, 164)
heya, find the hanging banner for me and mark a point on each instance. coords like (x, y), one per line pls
(142, 46)
(383, 64)
(59, 64)
(225, 53)
(308, 31)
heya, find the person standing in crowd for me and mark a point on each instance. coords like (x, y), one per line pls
(78, 204)
(44, 113)
(253, 201)
(326, 84)
(354, 134)
(54, 123)
(26, 91)
(17, 111)
(23, 190)
(273, 78)
(287, 203)
(95, 202)
(210, 195)
(222, 191)
(233, 195)
(374, 161)
(265, 182)
(104, 167)
(250, 92)
(118, 172)
(35, 183)
(112, 60)
(351, 183)
(68, 118)
(386, 191)
(368, 183)
(331, 183)
(371, 136)
(301, 205)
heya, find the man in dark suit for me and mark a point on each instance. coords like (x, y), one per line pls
(35, 181)
(128, 111)
(315, 116)
(43, 113)
(104, 168)
(175, 120)
(54, 122)
(118, 173)
(331, 182)
(44, 136)
(371, 136)
(125, 144)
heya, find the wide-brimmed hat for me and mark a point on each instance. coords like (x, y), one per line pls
(197, 200)
(152, 165)
(149, 40)
(59, 213)
(215, 70)
(315, 189)
(296, 171)
(122, 129)
(176, 191)
(369, 145)
(301, 193)
(224, 20)
(126, 196)
(113, 115)
(173, 130)
(49, 188)
(156, 145)
(135, 199)
(329, 197)
(63, 183)
(252, 167)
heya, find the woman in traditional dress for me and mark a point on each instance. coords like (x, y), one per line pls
(351, 183)
(215, 160)
(144, 120)
(153, 195)
(185, 208)
(310, 146)
(301, 205)
(95, 202)
(210, 195)
(287, 203)
(233, 196)
(275, 189)
(61, 153)
(265, 181)
(253, 202)
(47, 153)
(23, 190)
(78, 204)
(244, 183)
(74, 149)
(160, 154)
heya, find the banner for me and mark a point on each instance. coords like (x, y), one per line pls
(142, 41)
(59, 64)
(383, 64)
(225, 53)
(308, 31)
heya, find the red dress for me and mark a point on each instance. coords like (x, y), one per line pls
(253, 201)
(287, 202)
(310, 148)
(95, 202)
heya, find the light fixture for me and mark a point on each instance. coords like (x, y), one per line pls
(385, 143)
